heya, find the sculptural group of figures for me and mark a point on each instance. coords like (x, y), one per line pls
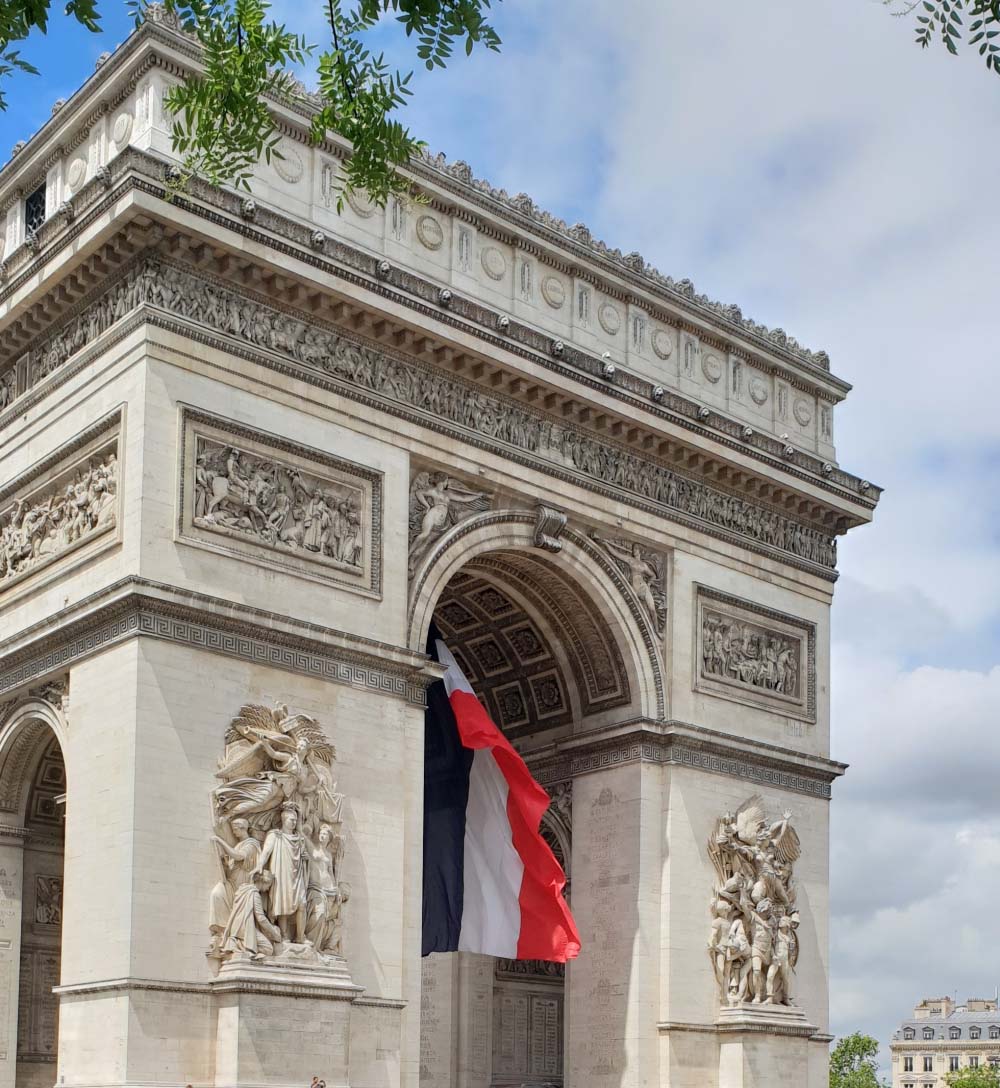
(441, 396)
(35, 528)
(277, 504)
(749, 654)
(279, 839)
(754, 943)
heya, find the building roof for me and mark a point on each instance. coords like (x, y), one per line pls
(959, 1019)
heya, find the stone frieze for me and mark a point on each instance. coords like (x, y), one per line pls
(439, 399)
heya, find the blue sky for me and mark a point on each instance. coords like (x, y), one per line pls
(810, 163)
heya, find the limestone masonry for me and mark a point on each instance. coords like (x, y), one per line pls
(249, 448)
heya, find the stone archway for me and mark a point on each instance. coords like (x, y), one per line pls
(570, 580)
(556, 643)
(32, 808)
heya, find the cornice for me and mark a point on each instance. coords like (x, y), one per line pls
(518, 215)
(140, 172)
(139, 608)
(682, 744)
(806, 1031)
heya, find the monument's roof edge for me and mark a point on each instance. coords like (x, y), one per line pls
(457, 177)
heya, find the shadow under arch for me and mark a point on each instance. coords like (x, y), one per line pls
(582, 568)
(24, 734)
(33, 787)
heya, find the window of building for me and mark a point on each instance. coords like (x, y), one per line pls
(974, 1033)
(928, 1064)
(994, 1060)
(928, 1033)
(974, 1062)
(908, 1064)
(34, 210)
(953, 1063)
(955, 1033)
(995, 1033)
(909, 1033)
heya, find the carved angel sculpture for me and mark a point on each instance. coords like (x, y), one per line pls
(436, 503)
(753, 943)
(277, 813)
(645, 573)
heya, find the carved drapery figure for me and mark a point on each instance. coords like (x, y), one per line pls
(646, 573)
(279, 839)
(753, 942)
(277, 505)
(436, 503)
(34, 529)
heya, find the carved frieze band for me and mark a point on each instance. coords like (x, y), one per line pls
(142, 616)
(293, 238)
(650, 748)
(66, 503)
(440, 401)
(754, 655)
(271, 501)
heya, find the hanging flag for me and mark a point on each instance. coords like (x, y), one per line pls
(491, 882)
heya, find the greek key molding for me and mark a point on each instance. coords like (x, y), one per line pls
(210, 311)
(137, 614)
(713, 754)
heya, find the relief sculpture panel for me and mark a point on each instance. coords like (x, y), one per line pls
(279, 840)
(63, 504)
(755, 655)
(269, 500)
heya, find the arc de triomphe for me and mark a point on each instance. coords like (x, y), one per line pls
(249, 448)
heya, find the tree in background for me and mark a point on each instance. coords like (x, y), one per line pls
(852, 1063)
(986, 1076)
(222, 124)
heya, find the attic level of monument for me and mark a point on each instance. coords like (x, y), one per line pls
(450, 187)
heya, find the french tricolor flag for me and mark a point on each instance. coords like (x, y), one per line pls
(491, 883)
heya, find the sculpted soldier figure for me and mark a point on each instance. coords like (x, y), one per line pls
(279, 839)
(285, 856)
(754, 859)
(249, 929)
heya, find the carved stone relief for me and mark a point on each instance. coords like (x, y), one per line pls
(279, 841)
(662, 343)
(553, 292)
(755, 655)
(262, 496)
(429, 232)
(437, 502)
(444, 398)
(753, 941)
(48, 900)
(548, 528)
(646, 573)
(57, 507)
